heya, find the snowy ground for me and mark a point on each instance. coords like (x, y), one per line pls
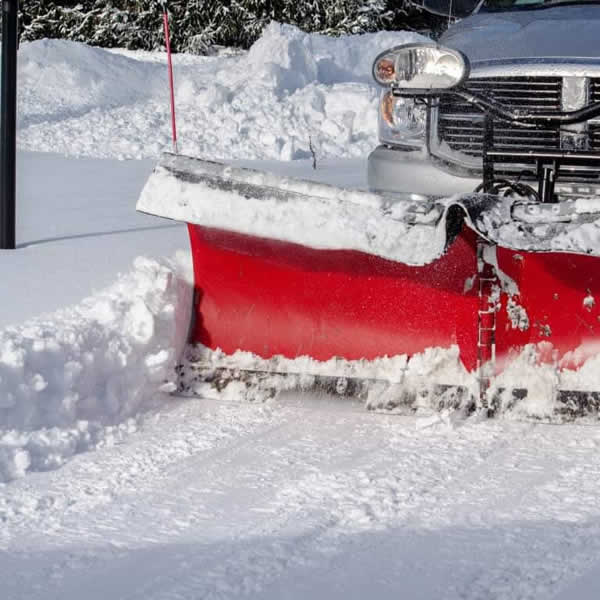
(110, 488)
(306, 500)
(70, 212)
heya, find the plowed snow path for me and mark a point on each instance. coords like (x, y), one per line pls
(308, 499)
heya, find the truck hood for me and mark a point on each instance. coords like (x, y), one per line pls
(569, 31)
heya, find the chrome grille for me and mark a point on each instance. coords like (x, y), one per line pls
(594, 128)
(460, 124)
(594, 90)
(594, 131)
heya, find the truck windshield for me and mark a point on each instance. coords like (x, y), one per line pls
(512, 4)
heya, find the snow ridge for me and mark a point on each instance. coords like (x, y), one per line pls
(78, 378)
(290, 90)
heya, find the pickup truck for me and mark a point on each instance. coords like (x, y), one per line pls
(527, 57)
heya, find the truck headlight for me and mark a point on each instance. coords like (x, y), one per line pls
(420, 67)
(402, 120)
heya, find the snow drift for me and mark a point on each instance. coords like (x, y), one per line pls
(60, 79)
(75, 379)
(289, 91)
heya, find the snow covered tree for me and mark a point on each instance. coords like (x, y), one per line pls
(200, 24)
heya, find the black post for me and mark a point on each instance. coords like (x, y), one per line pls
(8, 127)
(488, 144)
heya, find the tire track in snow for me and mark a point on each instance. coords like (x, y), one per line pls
(495, 536)
(556, 497)
(164, 440)
(299, 500)
(309, 532)
(124, 513)
(275, 543)
(274, 438)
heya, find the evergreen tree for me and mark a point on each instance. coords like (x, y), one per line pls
(199, 25)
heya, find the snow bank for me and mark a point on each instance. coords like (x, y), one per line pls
(60, 79)
(290, 90)
(78, 378)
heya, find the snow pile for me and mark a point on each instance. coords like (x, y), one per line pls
(76, 379)
(410, 232)
(537, 383)
(413, 232)
(392, 369)
(431, 381)
(542, 382)
(59, 79)
(290, 91)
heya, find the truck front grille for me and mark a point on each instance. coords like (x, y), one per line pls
(594, 90)
(460, 124)
(594, 128)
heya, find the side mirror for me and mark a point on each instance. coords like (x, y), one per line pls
(448, 8)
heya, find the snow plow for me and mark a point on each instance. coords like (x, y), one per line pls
(479, 301)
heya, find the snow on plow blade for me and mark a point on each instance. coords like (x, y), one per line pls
(488, 297)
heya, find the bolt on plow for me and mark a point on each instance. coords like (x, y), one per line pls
(479, 302)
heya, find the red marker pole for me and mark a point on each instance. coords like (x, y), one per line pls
(170, 65)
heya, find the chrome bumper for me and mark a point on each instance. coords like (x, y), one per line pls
(413, 175)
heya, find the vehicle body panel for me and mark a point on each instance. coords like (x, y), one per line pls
(559, 31)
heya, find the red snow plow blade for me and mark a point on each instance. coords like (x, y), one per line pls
(420, 277)
(270, 298)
